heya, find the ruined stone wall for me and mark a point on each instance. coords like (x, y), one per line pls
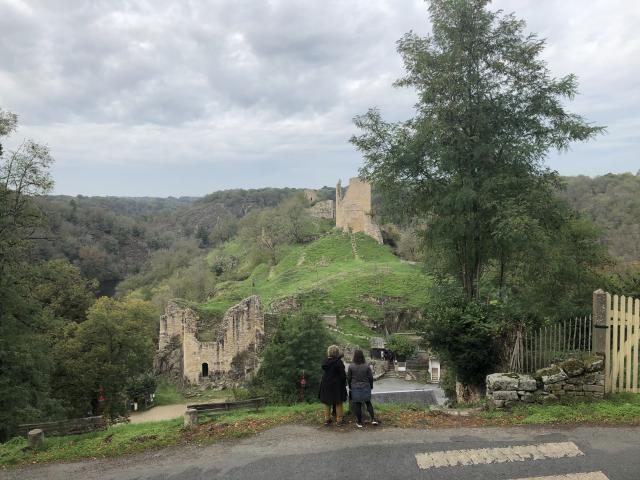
(353, 209)
(240, 334)
(324, 209)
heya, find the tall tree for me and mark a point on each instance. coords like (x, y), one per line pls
(24, 362)
(471, 161)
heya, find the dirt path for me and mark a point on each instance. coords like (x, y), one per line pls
(165, 412)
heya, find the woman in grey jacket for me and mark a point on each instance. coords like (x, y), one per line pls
(360, 380)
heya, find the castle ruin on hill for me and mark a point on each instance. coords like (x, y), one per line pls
(351, 209)
(197, 348)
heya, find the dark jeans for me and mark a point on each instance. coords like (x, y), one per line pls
(357, 406)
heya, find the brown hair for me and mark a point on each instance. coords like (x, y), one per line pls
(358, 357)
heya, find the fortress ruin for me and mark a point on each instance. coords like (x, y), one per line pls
(351, 209)
(232, 352)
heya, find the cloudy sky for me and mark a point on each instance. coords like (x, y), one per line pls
(165, 97)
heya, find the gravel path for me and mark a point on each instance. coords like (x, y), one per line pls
(165, 412)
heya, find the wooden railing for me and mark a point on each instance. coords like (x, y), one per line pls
(66, 427)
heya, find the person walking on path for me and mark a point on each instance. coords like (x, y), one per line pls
(333, 386)
(360, 380)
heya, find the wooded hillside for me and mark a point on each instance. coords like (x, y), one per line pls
(613, 203)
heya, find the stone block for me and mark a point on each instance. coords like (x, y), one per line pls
(35, 438)
(553, 374)
(569, 388)
(595, 364)
(503, 381)
(572, 367)
(190, 417)
(594, 388)
(498, 403)
(527, 383)
(589, 378)
(505, 395)
(528, 397)
(548, 398)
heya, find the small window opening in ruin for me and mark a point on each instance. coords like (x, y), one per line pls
(205, 370)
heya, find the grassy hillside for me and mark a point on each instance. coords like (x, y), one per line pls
(331, 275)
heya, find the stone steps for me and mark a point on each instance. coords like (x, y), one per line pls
(354, 246)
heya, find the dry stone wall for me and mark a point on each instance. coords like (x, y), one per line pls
(238, 337)
(579, 378)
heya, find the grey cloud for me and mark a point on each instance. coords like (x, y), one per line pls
(268, 83)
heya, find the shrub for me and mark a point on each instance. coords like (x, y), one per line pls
(465, 335)
(401, 346)
(300, 343)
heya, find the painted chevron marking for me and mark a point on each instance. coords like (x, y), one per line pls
(483, 456)
(572, 476)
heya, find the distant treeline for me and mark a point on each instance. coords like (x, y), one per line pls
(111, 238)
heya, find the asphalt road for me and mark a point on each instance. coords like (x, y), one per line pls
(297, 452)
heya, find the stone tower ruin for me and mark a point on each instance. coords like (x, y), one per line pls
(353, 209)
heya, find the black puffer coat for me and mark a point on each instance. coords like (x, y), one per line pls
(333, 386)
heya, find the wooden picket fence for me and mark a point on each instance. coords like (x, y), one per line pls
(622, 344)
(541, 347)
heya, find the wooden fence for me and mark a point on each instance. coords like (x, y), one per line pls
(622, 342)
(540, 348)
(66, 427)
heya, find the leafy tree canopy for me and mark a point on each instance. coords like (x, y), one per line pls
(300, 343)
(471, 160)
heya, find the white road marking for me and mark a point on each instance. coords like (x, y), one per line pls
(482, 456)
(572, 476)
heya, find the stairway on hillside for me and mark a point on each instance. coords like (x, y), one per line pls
(354, 246)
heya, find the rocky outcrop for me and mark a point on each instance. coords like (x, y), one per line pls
(582, 378)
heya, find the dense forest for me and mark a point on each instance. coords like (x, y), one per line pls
(130, 243)
(613, 203)
(114, 238)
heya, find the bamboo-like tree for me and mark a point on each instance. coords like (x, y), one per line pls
(471, 161)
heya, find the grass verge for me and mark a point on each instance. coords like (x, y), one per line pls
(623, 409)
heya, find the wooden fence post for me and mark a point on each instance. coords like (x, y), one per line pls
(600, 326)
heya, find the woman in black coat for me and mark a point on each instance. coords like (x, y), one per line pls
(333, 386)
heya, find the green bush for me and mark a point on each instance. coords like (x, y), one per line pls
(465, 334)
(448, 383)
(300, 343)
(401, 346)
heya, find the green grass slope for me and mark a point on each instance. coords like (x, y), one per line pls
(325, 277)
